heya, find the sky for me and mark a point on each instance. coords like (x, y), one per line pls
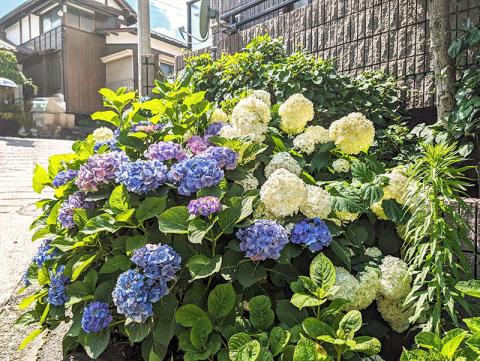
(166, 15)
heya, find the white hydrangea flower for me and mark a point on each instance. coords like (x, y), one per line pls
(396, 188)
(346, 216)
(295, 113)
(392, 312)
(248, 183)
(307, 141)
(373, 252)
(318, 203)
(250, 117)
(102, 134)
(353, 133)
(228, 131)
(367, 290)
(282, 160)
(377, 209)
(283, 193)
(261, 212)
(346, 285)
(263, 95)
(218, 116)
(395, 278)
(341, 165)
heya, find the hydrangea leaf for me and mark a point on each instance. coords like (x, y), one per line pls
(470, 288)
(349, 324)
(150, 207)
(260, 312)
(367, 345)
(250, 273)
(278, 339)
(116, 263)
(200, 332)
(137, 331)
(30, 337)
(307, 350)
(96, 343)
(40, 178)
(164, 328)
(322, 272)
(81, 264)
(302, 300)
(174, 220)
(249, 352)
(108, 116)
(201, 266)
(315, 328)
(221, 300)
(187, 315)
(103, 222)
(119, 199)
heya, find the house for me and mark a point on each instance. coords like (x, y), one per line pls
(72, 48)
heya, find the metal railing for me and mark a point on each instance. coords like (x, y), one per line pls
(48, 41)
(127, 83)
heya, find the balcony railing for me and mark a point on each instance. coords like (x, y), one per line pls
(48, 41)
(127, 83)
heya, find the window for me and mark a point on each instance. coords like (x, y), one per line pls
(80, 20)
(51, 20)
(166, 69)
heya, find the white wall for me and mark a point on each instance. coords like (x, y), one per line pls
(12, 33)
(128, 38)
(121, 69)
(25, 29)
(114, 4)
(35, 23)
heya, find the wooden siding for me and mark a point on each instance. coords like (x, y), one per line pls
(46, 72)
(84, 72)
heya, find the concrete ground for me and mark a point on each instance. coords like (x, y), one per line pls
(17, 210)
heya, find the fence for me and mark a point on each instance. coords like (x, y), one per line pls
(392, 35)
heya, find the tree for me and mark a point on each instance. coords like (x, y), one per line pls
(9, 69)
(443, 65)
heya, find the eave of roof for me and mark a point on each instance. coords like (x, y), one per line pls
(6, 45)
(132, 30)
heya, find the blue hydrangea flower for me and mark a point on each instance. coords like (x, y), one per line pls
(64, 177)
(312, 232)
(213, 129)
(111, 144)
(263, 239)
(164, 151)
(76, 200)
(158, 262)
(57, 294)
(194, 174)
(44, 253)
(26, 282)
(132, 296)
(157, 289)
(142, 176)
(225, 157)
(96, 317)
(204, 206)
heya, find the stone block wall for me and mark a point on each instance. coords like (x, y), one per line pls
(357, 34)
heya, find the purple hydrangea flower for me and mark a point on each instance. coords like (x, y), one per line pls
(263, 239)
(146, 127)
(63, 177)
(312, 232)
(225, 157)
(213, 129)
(142, 176)
(57, 295)
(197, 144)
(132, 296)
(99, 169)
(204, 206)
(111, 144)
(75, 201)
(96, 317)
(158, 262)
(163, 151)
(44, 253)
(194, 174)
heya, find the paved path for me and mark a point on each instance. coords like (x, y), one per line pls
(17, 210)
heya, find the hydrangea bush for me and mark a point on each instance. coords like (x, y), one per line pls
(245, 235)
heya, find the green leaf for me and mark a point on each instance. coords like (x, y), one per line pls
(137, 331)
(150, 207)
(221, 300)
(103, 222)
(174, 220)
(194, 98)
(278, 340)
(470, 288)
(307, 350)
(302, 300)
(30, 337)
(118, 200)
(96, 343)
(187, 315)
(108, 116)
(134, 242)
(474, 343)
(236, 343)
(322, 272)
(315, 328)
(116, 263)
(428, 340)
(366, 344)
(249, 352)
(349, 324)
(81, 264)
(371, 193)
(261, 314)
(473, 324)
(288, 314)
(452, 341)
(197, 230)
(393, 210)
(250, 273)
(201, 266)
(164, 311)
(199, 334)
(40, 178)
